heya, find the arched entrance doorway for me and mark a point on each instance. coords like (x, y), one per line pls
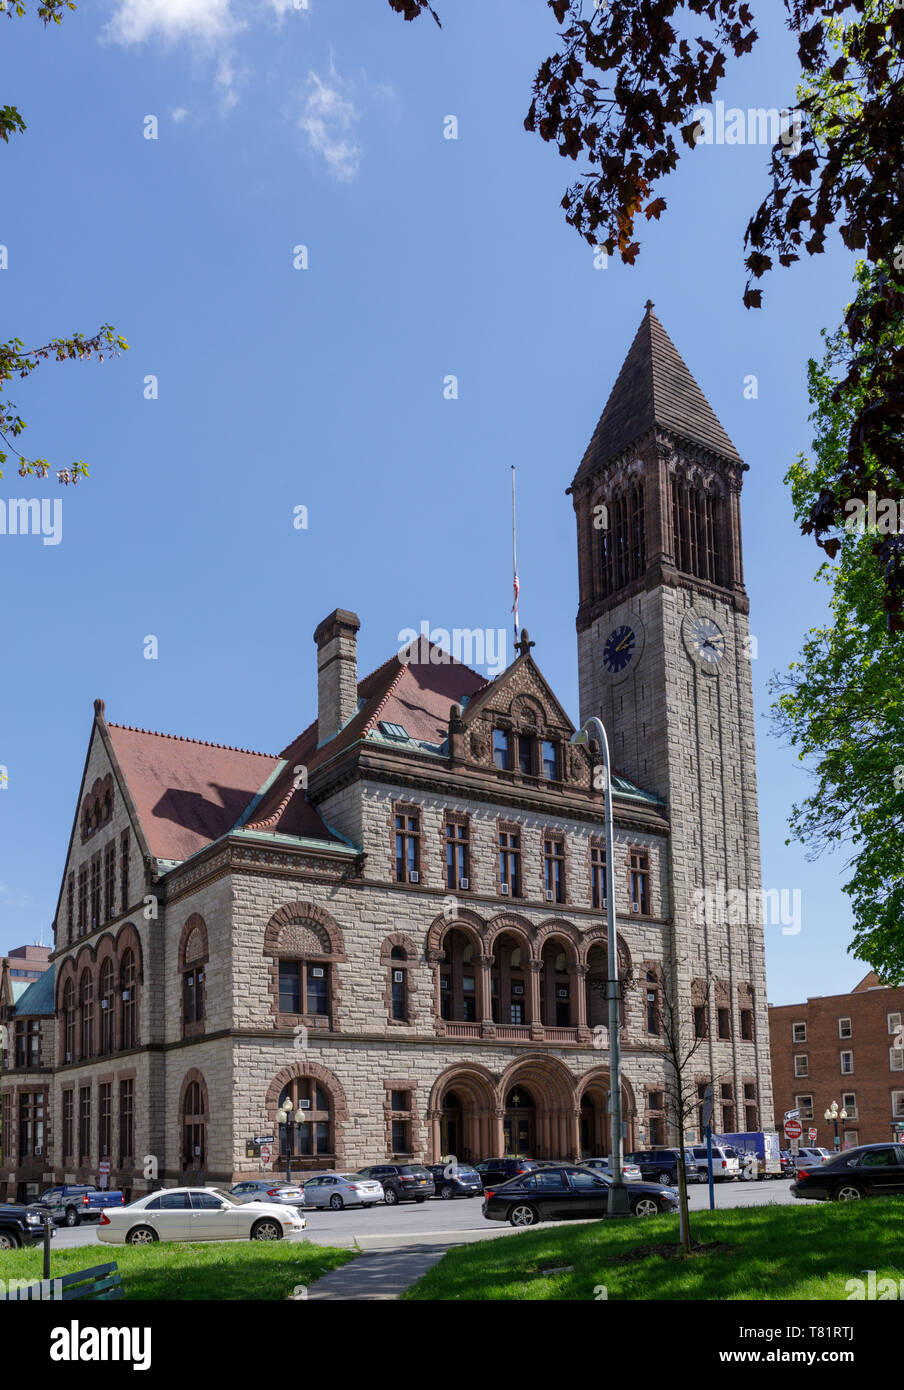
(519, 1122)
(595, 1118)
(450, 1130)
(462, 1116)
(544, 1117)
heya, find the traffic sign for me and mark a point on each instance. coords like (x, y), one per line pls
(266, 1153)
(792, 1114)
(103, 1167)
(812, 1135)
(793, 1129)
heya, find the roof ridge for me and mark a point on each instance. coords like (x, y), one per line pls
(201, 742)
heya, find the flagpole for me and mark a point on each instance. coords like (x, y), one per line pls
(514, 558)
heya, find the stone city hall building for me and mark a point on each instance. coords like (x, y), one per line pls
(398, 922)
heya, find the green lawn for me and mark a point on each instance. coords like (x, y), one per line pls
(808, 1251)
(229, 1269)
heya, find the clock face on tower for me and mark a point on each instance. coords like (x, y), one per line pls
(707, 640)
(619, 648)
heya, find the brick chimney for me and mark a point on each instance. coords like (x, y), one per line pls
(337, 672)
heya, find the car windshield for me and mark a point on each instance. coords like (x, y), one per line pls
(226, 1196)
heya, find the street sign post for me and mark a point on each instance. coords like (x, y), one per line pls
(266, 1154)
(793, 1129)
(812, 1135)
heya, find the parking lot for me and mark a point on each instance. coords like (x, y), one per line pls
(440, 1223)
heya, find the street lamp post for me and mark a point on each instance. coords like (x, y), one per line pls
(832, 1116)
(618, 1204)
(289, 1121)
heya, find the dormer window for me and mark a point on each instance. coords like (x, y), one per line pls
(526, 755)
(550, 761)
(502, 750)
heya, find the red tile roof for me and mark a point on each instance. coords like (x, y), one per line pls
(187, 793)
(417, 695)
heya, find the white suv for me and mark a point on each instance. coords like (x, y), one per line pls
(725, 1167)
(810, 1157)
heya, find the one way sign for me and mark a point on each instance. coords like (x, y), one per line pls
(792, 1114)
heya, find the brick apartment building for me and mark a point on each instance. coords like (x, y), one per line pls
(397, 924)
(841, 1047)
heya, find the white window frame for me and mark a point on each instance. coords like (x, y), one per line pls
(849, 1096)
(896, 1058)
(801, 1057)
(846, 1071)
(894, 1022)
(794, 1028)
(850, 1031)
(850, 1139)
(805, 1105)
(897, 1104)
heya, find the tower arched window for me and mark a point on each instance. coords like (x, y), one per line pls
(623, 552)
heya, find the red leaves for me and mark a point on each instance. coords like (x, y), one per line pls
(655, 209)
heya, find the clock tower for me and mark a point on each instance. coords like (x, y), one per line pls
(664, 660)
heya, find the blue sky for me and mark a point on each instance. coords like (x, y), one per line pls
(323, 126)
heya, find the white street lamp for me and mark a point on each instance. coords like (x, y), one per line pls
(618, 1204)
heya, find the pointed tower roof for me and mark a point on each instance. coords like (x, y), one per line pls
(654, 387)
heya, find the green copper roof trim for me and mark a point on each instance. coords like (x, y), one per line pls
(258, 798)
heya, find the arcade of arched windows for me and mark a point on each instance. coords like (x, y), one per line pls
(99, 999)
(509, 980)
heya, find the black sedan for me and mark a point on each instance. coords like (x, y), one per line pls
(20, 1225)
(872, 1170)
(556, 1193)
(455, 1180)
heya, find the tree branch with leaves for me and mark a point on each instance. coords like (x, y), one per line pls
(17, 361)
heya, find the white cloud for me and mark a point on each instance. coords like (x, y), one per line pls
(328, 118)
(178, 114)
(136, 21)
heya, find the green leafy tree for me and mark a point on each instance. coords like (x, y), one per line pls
(16, 360)
(841, 705)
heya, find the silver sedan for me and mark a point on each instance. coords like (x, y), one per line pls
(338, 1190)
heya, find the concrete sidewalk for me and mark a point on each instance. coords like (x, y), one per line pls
(381, 1275)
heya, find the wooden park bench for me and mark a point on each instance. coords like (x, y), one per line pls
(101, 1282)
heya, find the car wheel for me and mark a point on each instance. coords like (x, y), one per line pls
(647, 1206)
(71, 1217)
(8, 1240)
(141, 1235)
(336, 1202)
(523, 1215)
(446, 1193)
(847, 1192)
(266, 1229)
(390, 1196)
(664, 1179)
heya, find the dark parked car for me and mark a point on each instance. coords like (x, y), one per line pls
(402, 1182)
(496, 1170)
(661, 1166)
(72, 1204)
(455, 1180)
(555, 1193)
(20, 1225)
(872, 1170)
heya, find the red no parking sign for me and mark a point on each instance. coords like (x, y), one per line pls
(793, 1129)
